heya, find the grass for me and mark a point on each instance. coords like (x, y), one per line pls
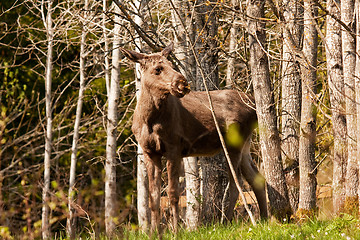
(346, 227)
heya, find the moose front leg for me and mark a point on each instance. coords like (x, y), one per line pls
(153, 166)
(173, 168)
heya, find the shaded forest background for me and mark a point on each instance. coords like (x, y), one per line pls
(23, 55)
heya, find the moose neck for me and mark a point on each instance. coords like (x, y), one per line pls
(151, 102)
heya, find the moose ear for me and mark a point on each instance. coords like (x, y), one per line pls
(166, 51)
(133, 56)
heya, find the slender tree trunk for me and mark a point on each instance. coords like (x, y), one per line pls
(142, 177)
(265, 108)
(213, 169)
(106, 49)
(142, 183)
(349, 61)
(291, 97)
(357, 77)
(337, 100)
(191, 167)
(232, 48)
(307, 163)
(71, 225)
(48, 135)
(111, 145)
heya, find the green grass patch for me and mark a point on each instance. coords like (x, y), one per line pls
(346, 227)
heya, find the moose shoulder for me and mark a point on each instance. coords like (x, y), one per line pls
(173, 122)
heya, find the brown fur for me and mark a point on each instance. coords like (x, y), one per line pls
(173, 122)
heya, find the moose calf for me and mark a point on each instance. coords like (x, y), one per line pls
(173, 122)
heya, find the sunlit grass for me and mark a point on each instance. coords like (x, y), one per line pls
(345, 227)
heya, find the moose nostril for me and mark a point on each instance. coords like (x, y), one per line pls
(181, 87)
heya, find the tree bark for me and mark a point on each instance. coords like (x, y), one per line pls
(357, 78)
(337, 101)
(349, 61)
(71, 225)
(212, 169)
(307, 163)
(106, 49)
(291, 97)
(191, 168)
(48, 135)
(265, 108)
(142, 180)
(112, 121)
(230, 70)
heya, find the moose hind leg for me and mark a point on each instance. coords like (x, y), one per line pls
(153, 165)
(233, 190)
(173, 168)
(256, 181)
(233, 195)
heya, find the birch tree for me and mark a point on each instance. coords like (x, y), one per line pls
(357, 77)
(106, 48)
(265, 108)
(230, 70)
(112, 121)
(337, 101)
(291, 96)
(349, 61)
(142, 181)
(48, 134)
(307, 163)
(183, 19)
(71, 226)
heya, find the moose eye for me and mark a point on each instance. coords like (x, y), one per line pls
(158, 70)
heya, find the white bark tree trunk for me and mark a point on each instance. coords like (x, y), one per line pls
(265, 108)
(191, 167)
(357, 78)
(71, 225)
(349, 61)
(230, 70)
(48, 135)
(106, 49)
(337, 100)
(112, 122)
(142, 177)
(291, 97)
(307, 163)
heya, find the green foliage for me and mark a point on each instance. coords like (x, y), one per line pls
(233, 136)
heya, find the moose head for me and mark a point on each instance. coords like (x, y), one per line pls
(157, 72)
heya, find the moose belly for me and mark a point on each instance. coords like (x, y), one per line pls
(206, 146)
